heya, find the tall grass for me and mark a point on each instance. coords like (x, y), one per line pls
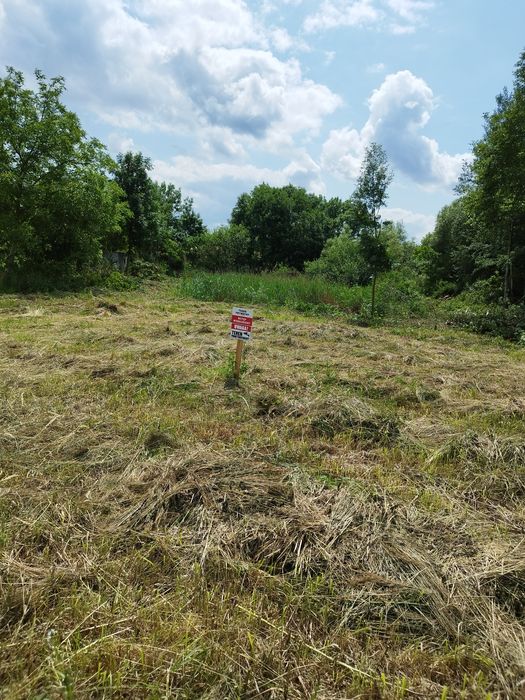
(301, 293)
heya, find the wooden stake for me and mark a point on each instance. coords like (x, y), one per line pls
(238, 359)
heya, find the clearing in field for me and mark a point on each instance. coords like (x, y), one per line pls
(348, 523)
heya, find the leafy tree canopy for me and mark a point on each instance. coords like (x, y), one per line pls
(58, 208)
(287, 225)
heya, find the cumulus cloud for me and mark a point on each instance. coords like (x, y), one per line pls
(173, 66)
(302, 171)
(396, 16)
(398, 112)
(252, 92)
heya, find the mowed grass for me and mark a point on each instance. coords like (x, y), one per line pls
(349, 522)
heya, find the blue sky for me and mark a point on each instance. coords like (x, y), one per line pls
(224, 94)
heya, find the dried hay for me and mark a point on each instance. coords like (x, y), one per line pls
(332, 416)
(391, 570)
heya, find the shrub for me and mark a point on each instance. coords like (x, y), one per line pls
(505, 321)
(341, 261)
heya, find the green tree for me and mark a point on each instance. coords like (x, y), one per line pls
(287, 225)
(58, 208)
(227, 248)
(143, 228)
(180, 227)
(452, 252)
(341, 261)
(343, 258)
(370, 196)
(494, 187)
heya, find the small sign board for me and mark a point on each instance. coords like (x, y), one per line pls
(241, 323)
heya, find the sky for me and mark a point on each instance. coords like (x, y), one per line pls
(222, 95)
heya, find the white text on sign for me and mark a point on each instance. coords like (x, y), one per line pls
(241, 323)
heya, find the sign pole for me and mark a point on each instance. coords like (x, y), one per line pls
(238, 359)
(240, 329)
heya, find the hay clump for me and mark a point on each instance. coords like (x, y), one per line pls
(331, 417)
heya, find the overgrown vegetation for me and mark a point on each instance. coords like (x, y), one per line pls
(348, 523)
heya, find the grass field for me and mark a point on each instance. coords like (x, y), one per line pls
(348, 523)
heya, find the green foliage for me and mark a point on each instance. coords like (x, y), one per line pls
(294, 292)
(372, 184)
(397, 296)
(226, 248)
(481, 236)
(142, 230)
(341, 261)
(504, 321)
(496, 187)
(370, 195)
(347, 261)
(162, 222)
(58, 209)
(287, 225)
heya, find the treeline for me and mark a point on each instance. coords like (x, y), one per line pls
(70, 215)
(479, 240)
(68, 212)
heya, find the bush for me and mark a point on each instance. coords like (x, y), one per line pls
(504, 321)
(341, 261)
(399, 295)
(147, 270)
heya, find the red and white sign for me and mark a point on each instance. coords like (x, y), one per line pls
(241, 323)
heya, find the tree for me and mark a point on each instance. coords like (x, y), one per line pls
(287, 225)
(58, 207)
(494, 188)
(224, 249)
(370, 196)
(142, 230)
(452, 251)
(162, 220)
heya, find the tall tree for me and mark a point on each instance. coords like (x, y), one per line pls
(143, 234)
(371, 195)
(494, 186)
(452, 253)
(58, 208)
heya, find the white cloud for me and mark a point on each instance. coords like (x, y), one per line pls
(186, 170)
(396, 16)
(376, 68)
(342, 152)
(334, 13)
(118, 142)
(282, 41)
(418, 224)
(182, 67)
(410, 10)
(398, 111)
